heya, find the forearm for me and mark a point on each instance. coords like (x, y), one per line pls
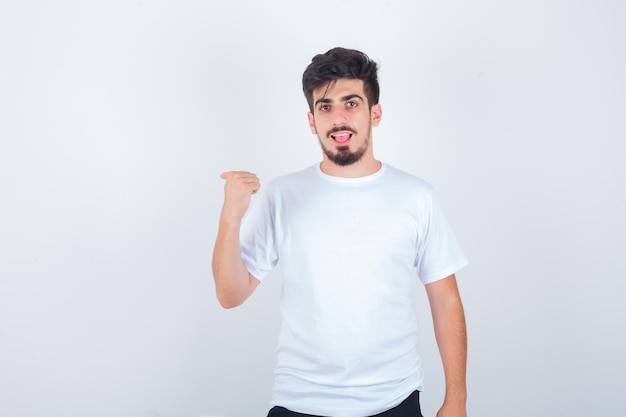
(451, 335)
(233, 283)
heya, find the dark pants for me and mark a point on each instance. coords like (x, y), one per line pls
(407, 408)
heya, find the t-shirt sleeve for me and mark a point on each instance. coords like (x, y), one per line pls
(439, 253)
(257, 237)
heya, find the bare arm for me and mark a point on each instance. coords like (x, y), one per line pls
(233, 282)
(451, 334)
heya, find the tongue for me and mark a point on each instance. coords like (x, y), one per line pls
(342, 138)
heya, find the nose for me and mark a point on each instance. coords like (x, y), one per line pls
(339, 116)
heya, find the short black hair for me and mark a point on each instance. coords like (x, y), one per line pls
(341, 63)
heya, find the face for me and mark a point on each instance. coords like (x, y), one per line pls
(343, 120)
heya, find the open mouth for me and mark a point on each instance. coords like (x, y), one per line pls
(341, 137)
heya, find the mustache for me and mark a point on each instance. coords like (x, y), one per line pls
(343, 128)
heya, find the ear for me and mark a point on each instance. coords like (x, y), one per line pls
(376, 114)
(311, 122)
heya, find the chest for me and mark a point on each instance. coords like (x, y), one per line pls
(349, 225)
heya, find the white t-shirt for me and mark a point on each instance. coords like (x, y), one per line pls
(347, 248)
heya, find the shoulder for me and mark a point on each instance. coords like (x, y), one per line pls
(293, 177)
(408, 182)
(290, 181)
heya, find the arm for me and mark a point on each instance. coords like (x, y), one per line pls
(451, 335)
(233, 282)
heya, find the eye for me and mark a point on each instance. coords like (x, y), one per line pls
(351, 104)
(324, 107)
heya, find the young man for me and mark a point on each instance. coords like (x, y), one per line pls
(348, 233)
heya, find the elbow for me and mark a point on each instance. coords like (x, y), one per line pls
(228, 304)
(228, 301)
(231, 291)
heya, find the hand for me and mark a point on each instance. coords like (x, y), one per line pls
(239, 187)
(450, 410)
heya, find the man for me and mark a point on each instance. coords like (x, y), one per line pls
(348, 233)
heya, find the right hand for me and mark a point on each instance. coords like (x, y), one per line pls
(239, 187)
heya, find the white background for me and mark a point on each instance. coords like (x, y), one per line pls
(117, 117)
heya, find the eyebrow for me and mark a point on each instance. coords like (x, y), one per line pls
(344, 98)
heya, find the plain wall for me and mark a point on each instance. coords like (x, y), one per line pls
(117, 117)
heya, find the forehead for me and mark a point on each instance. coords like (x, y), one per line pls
(339, 88)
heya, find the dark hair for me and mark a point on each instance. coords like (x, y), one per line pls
(341, 63)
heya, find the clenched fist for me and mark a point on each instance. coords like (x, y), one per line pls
(239, 187)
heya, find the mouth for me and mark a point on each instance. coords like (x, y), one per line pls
(342, 137)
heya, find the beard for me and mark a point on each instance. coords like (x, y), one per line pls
(342, 155)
